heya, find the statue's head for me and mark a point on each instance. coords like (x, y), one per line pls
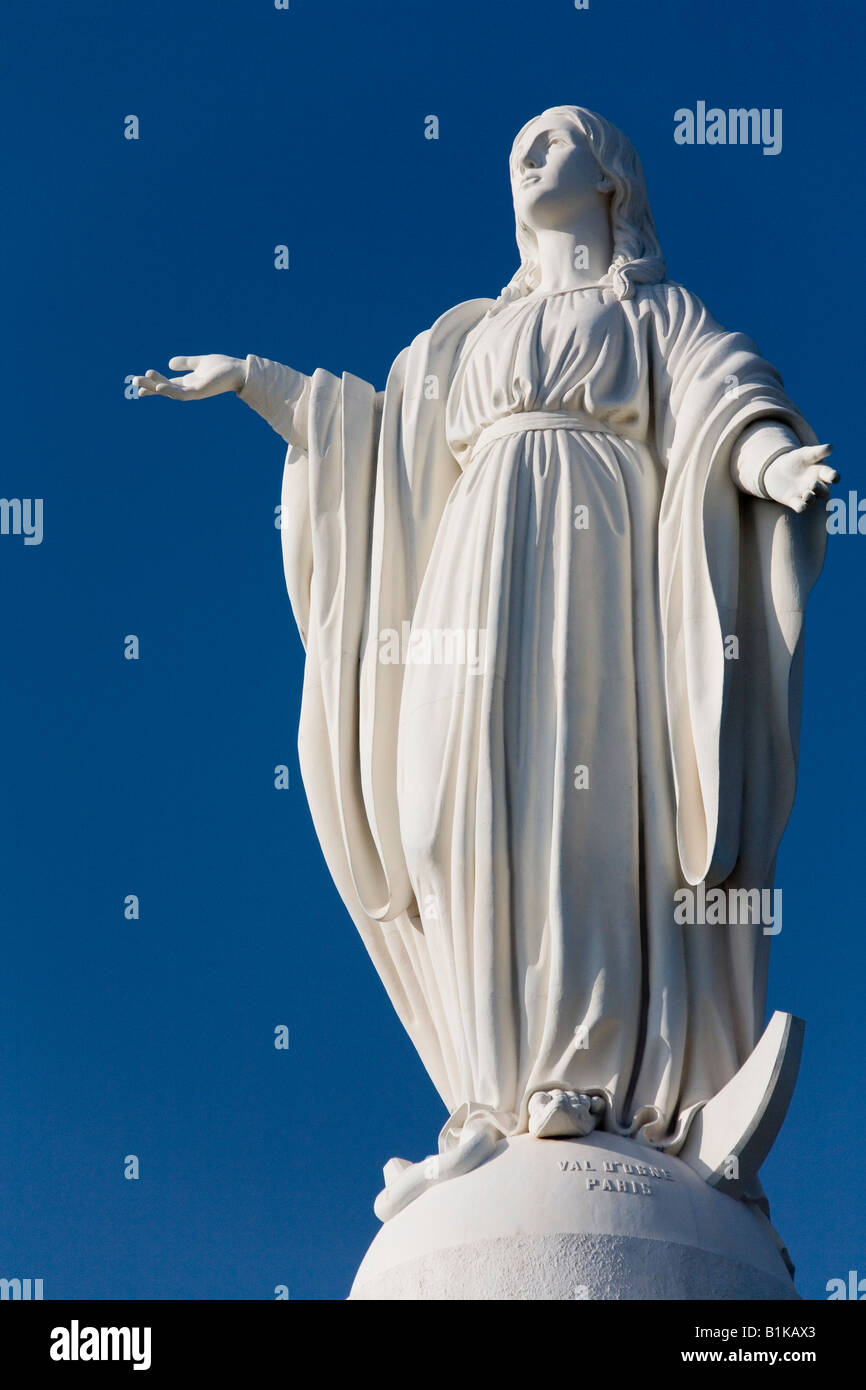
(562, 163)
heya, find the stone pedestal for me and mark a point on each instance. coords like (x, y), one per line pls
(594, 1218)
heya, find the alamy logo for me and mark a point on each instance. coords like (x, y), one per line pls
(846, 518)
(22, 516)
(438, 646)
(76, 1343)
(737, 126)
(21, 1289)
(712, 907)
(854, 1288)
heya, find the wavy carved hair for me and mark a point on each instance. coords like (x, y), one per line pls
(637, 255)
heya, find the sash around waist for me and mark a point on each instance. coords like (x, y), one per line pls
(523, 420)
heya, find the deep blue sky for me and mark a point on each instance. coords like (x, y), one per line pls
(155, 777)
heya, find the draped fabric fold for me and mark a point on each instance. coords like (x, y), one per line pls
(729, 564)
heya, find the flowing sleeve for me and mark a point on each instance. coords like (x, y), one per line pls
(280, 395)
(735, 571)
(366, 477)
(303, 411)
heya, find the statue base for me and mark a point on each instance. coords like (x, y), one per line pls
(594, 1218)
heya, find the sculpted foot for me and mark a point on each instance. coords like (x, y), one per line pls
(563, 1114)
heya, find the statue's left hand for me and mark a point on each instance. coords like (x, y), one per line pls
(797, 477)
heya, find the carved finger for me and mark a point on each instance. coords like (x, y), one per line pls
(819, 451)
(183, 364)
(146, 386)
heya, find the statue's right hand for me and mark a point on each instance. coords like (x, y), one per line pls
(210, 375)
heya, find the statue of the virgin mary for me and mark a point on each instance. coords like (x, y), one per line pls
(551, 586)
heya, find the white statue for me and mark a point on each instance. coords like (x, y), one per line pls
(551, 585)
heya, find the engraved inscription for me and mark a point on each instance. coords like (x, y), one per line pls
(625, 1177)
(639, 1189)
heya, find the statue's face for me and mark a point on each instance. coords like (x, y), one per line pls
(556, 175)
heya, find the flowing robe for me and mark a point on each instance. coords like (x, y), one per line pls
(547, 493)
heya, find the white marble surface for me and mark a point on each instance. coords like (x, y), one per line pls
(517, 572)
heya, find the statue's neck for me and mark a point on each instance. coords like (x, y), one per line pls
(570, 259)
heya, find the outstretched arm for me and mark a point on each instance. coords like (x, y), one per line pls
(696, 361)
(770, 461)
(275, 392)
